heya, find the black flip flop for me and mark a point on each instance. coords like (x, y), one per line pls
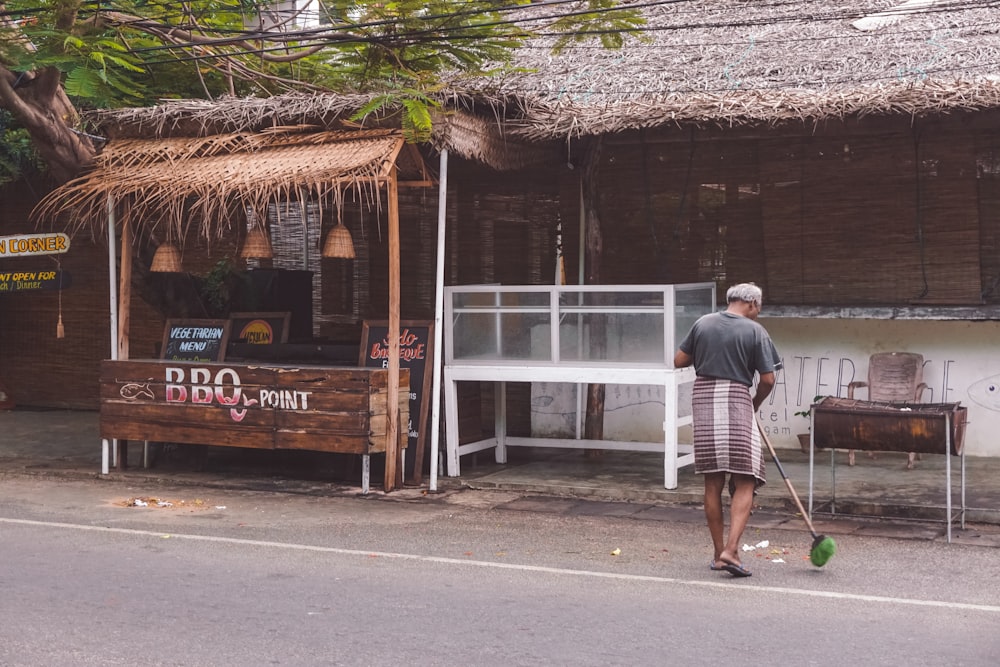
(737, 570)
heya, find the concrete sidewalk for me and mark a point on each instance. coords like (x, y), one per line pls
(65, 443)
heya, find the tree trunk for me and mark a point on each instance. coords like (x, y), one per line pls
(41, 106)
(593, 428)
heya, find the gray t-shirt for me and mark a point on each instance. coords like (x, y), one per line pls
(730, 347)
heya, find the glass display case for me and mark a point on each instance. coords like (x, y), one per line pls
(544, 325)
(572, 335)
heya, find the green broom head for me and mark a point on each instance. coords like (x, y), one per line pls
(822, 550)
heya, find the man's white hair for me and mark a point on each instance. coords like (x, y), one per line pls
(748, 292)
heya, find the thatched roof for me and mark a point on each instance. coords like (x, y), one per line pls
(455, 127)
(725, 63)
(212, 184)
(731, 63)
(705, 62)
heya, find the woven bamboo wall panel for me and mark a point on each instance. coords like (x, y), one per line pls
(988, 211)
(377, 253)
(40, 369)
(989, 248)
(503, 228)
(781, 221)
(634, 219)
(876, 233)
(692, 214)
(857, 225)
(855, 219)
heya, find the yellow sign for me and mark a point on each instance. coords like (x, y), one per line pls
(25, 245)
(258, 332)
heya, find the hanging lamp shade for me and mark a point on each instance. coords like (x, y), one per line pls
(166, 259)
(339, 243)
(257, 245)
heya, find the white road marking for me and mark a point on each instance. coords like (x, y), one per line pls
(995, 609)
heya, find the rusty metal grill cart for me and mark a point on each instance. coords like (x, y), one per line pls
(928, 428)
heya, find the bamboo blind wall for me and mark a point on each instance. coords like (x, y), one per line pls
(38, 368)
(889, 219)
(892, 217)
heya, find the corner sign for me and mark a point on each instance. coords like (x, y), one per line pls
(25, 245)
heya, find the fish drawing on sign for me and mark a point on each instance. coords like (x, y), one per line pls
(542, 401)
(986, 392)
(133, 391)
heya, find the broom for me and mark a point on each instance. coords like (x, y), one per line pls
(823, 548)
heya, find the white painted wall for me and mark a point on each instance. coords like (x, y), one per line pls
(822, 356)
(632, 413)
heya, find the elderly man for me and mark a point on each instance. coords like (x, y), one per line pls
(727, 349)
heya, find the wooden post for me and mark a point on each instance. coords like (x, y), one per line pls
(392, 470)
(594, 422)
(124, 308)
(125, 292)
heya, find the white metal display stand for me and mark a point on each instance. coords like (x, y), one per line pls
(675, 454)
(500, 315)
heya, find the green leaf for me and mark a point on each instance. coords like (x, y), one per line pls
(417, 121)
(375, 104)
(82, 83)
(111, 45)
(72, 41)
(123, 63)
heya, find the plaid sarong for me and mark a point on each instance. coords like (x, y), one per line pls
(726, 438)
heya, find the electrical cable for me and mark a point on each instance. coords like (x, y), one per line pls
(762, 43)
(286, 35)
(964, 5)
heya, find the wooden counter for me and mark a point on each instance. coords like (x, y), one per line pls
(315, 408)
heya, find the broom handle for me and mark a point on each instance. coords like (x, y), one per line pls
(781, 471)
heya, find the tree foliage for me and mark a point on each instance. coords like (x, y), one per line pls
(57, 56)
(17, 155)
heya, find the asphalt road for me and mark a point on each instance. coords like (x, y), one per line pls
(249, 578)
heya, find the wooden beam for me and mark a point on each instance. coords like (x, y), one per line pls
(124, 308)
(125, 291)
(393, 471)
(416, 184)
(958, 121)
(593, 426)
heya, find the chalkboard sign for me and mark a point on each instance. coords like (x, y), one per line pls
(416, 352)
(24, 281)
(260, 328)
(195, 340)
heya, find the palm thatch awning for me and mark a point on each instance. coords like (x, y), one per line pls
(457, 127)
(204, 185)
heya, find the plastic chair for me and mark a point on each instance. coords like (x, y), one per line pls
(893, 377)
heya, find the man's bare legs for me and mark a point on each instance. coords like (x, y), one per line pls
(714, 482)
(727, 551)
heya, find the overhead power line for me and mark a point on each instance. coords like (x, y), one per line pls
(333, 34)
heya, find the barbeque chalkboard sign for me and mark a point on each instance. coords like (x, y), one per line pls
(195, 340)
(416, 352)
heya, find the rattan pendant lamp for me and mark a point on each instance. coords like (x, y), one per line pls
(258, 242)
(167, 259)
(339, 244)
